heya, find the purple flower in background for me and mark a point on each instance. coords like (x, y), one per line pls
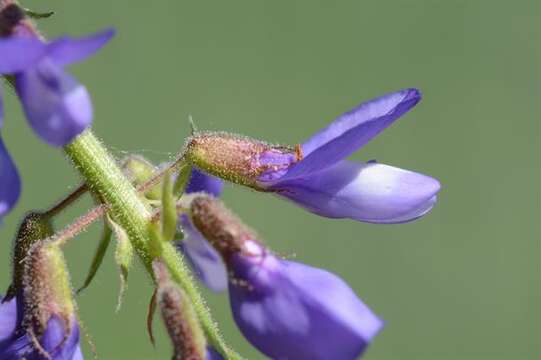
(16, 343)
(205, 261)
(57, 107)
(213, 355)
(315, 174)
(289, 310)
(10, 182)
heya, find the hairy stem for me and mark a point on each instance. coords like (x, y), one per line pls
(104, 178)
(67, 201)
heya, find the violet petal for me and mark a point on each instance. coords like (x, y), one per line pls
(8, 320)
(66, 50)
(204, 259)
(213, 354)
(78, 354)
(10, 181)
(202, 182)
(56, 105)
(19, 54)
(369, 192)
(351, 131)
(56, 344)
(288, 310)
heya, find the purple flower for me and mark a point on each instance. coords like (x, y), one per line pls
(16, 343)
(213, 354)
(285, 309)
(56, 105)
(289, 310)
(316, 174)
(10, 182)
(205, 261)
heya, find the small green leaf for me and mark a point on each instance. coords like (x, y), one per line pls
(123, 258)
(182, 179)
(169, 209)
(98, 256)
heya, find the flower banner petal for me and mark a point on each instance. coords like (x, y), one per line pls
(368, 192)
(65, 51)
(351, 131)
(19, 54)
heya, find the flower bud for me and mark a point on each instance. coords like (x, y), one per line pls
(178, 316)
(47, 290)
(239, 159)
(34, 227)
(41, 322)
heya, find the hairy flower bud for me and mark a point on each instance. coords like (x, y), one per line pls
(47, 290)
(34, 227)
(178, 316)
(239, 159)
(41, 322)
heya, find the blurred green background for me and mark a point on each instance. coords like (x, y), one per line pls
(462, 283)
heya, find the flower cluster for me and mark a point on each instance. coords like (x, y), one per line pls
(285, 309)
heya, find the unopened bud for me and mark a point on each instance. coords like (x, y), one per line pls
(179, 317)
(34, 227)
(47, 290)
(240, 159)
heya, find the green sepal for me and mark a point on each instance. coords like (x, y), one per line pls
(169, 209)
(156, 240)
(184, 174)
(97, 260)
(123, 257)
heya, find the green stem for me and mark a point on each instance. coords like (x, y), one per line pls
(104, 178)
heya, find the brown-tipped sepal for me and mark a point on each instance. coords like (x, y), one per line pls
(223, 229)
(240, 159)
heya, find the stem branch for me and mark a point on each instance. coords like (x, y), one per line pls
(104, 178)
